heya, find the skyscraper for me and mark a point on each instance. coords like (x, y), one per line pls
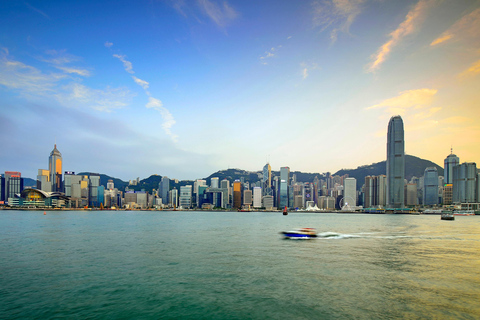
(450, 161)
(350, 192)
(395, 163)
(283, 193)
(55, 168)
(267, 180)
(164, 187)
(465, 182)
(430, 186)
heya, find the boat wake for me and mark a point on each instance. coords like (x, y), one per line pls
(335, 235)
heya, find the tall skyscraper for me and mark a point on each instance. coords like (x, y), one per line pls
(465, 183)
(55, 168)
(350, 192)
(450, 161)
(430, 186)
(395, 163)
(237, 194)
(267, 180)
(13, 184)
(283, 193)
(164, 187)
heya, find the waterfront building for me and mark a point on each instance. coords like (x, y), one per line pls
(267, 180)
(202, 196)
(449, 163)
(13, 185)
(448, 194)
(197, 184)
(283, 192)
(94, 183)
(43, 180)
(142, 199)
(163, 189)
(215, 183)
(110, 185)
(2, 189)
(465, 183)
(307, 193)
(430, 186)
(411, 194)
(298, 201)
(268, 202)
(247, 197)
(257, 197)
(237, 194)
(130, 199)
(185, 196)
(350, 192)
(55, 168)
(395, 163)
(173, 197)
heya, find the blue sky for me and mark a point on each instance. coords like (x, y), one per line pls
(186, 88)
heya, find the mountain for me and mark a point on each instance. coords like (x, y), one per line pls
(414, 166)
(27, 182)
(119, 184)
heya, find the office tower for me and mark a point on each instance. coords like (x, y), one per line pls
(13, 184)
(257, 197)
(43, 180)
(163, 189)
(448, 194)
(368, 192)
(94, 183)
(2, 189)
(430, 186)
(411, 194)
(186, 196)
(450, 161)
(247, 197)
(350, 192)
(465, 183)
(214, 182)
(395, 163)
(198, 183)
(267, 180)
(307, 194)
(110, 185)
(173, 196)
(283, 193)
(237, 194)
(201, 196)
(55, 168)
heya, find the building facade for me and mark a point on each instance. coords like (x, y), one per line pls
(395, 163)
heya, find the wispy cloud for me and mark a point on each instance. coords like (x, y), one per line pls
(61, 60)
(220, 12)
(37, 10)
(473, 70)
(408, 26)
(269, 54)
(34, 84)
(467, 27)
(153, 103)
(126, 64)
(168, 120)
(108, 44)
(417, 99)
(142, 83)
(306, 68)
(337, 14)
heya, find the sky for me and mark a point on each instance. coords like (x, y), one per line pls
(186, 88)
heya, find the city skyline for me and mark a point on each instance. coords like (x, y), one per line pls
(185, 89)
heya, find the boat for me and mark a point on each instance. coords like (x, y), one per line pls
(464, 212)
(302, 233)
(285, 211)
(447, 216)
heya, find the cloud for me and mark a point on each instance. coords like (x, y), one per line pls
(168, 120)
(467, 27)
(418, 98)
(37, 10)
(142, 83)
(413, 18)
(338, 14)
(305, 73)
(126, 64)
(473, 70)
(220, 14)
(269, 54)
(59, 59)
(33, 84)
(80, 72)
(108, 44)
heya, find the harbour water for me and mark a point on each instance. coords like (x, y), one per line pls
(225, 265)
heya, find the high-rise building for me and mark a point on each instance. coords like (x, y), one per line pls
(430, 186)
(247, 197)
(350, 192)
(173, 196)
(13, 184)
(237, 194)
(257, 197)
(411, 194)
(163, 189)
(465, 183)
(395, 163)
(43, 180)
(267, 180)
(450, 161)
(283, 192)
(2, 189)
(55, 168)
(94, 183)
(185, 196)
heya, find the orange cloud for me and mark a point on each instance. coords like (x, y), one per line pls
(468, 27)
(418, 98)
(473, 70)
(414, 16)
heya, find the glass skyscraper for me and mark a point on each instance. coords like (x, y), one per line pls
(55, 168)
(450, 161)
(430, 186)
(284, 177)
(395, 163)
